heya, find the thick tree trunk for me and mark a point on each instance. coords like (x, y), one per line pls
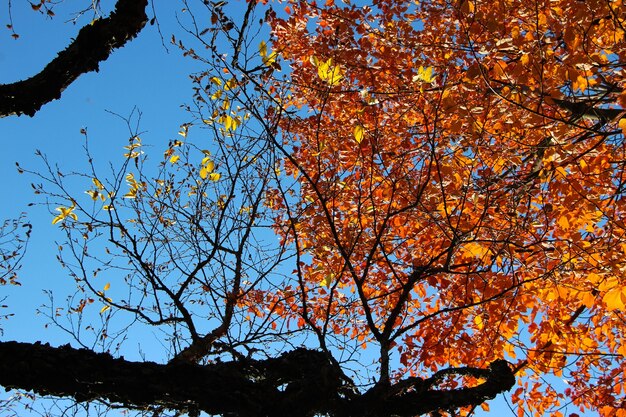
(298, 383)
(94, 44)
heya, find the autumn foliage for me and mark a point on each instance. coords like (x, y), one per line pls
(446, 180)
(461, 180)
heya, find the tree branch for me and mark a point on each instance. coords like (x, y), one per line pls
(416, 396)
(247, 388)
(301, 382)
(94, 44)
(588, 110)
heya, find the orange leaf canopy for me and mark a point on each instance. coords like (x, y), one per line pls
(460, 173)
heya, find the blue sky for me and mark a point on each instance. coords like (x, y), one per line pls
(143, 76)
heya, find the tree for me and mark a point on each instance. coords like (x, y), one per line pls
(445, 180)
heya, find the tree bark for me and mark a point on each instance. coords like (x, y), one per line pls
(302, 382)
(93, 45)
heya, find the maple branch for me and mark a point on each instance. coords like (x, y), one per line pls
(416, 396)
(586, 109)
(93, 44)
(524, 363)
(302, 382)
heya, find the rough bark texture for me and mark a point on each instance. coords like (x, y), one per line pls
(94, 44)
(302, 382)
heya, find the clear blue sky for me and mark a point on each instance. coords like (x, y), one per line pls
(144, 75)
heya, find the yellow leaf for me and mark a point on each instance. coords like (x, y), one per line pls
(270, 59)
(267, 59)
(327, 280)
(215, 176)
(107, 286)
(263, 49)
(174, 159)
(581, 83)
(230, 84)
(609, 283)
(615, 299)
(525, 59)
(216, 81)
(329, 72)
(510, 350)
(208, 164)
(230, 123)
(135, 143)
(359, 131)
(105, 308)
(424, 74)
(622, 124)
(476, 249)
(207, 168)
(587, 299)
(65, 212)
(497, 167)
(94, 194)
(97, 183)
(594, 278)
(563, 222)
(132, 193)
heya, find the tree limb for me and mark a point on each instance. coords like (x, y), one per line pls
(589, 110)
(302, 382)
(94, 44)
